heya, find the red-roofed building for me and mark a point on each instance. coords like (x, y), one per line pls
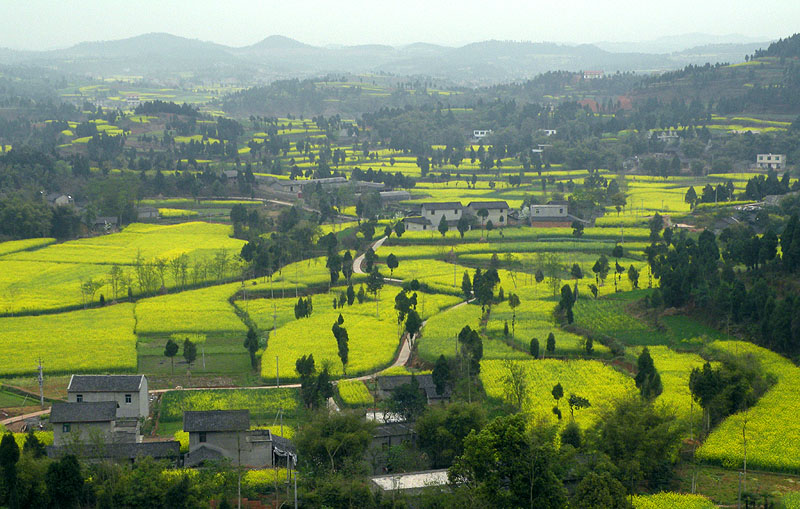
(591, 103)
(624, 102)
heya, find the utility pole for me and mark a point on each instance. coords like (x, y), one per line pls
(277, 372)
(239, 468)
(274, 317)
(41, 383)
(294, 464)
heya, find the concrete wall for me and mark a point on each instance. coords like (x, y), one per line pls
(494, 216)
(548, 211)
(254, 448)
(435, 216)
(85, 432)
(416, 227)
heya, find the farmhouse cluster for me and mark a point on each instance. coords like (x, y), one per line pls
(102, 419)
(446, 216)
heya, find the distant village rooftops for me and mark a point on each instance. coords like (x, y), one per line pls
(100, 411)
(216, 420)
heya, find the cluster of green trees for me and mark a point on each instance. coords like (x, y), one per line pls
(703, 274)
(294, 238)
(504, 462)
(30, 479)
(735, 384)
(315, 387)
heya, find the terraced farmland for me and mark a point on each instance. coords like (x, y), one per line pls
(600, 384)
(75, 342)
(50, 277)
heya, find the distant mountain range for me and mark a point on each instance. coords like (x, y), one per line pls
(486, 62)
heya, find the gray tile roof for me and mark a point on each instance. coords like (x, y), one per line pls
(283, 446)
(216, 420)
(442, 205)
(488, 205)
(101, 411)
(416, 220)
(105, 383)
(105, 219)
(202, 454)
(390, 383)
(395, 429)
(161, 449)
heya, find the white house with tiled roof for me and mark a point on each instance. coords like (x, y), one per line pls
(498, 211)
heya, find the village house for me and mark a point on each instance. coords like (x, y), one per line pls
(218, 434)
(553, 214)
(667, 135)
(231, 175)
(295, 187)
(417, 224)
(592, 75)
(435, 211)
(129, 392)
(771, 161)
(498, 211)
(388, 384)
(394, 433)
(479, 134)
(145, 213)
(122, 452)
(93, 430)
(83, 422)
(105, 223)
(60, 200)
(393, 196)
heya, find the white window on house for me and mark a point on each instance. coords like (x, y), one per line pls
(79, 398)
(537, 210)
(431, 212)
(128, 399)
(455, 211)
(560, 211)
(65, 427)
(202, 437)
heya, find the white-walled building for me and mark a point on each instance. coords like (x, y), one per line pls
(556, 211)
(218, 434)
(498, 211)
(129, 392)
(434, 211)
(771, 161)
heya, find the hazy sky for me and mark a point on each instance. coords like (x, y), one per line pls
(46, 24)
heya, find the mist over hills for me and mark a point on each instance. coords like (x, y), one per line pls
(478, 63)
